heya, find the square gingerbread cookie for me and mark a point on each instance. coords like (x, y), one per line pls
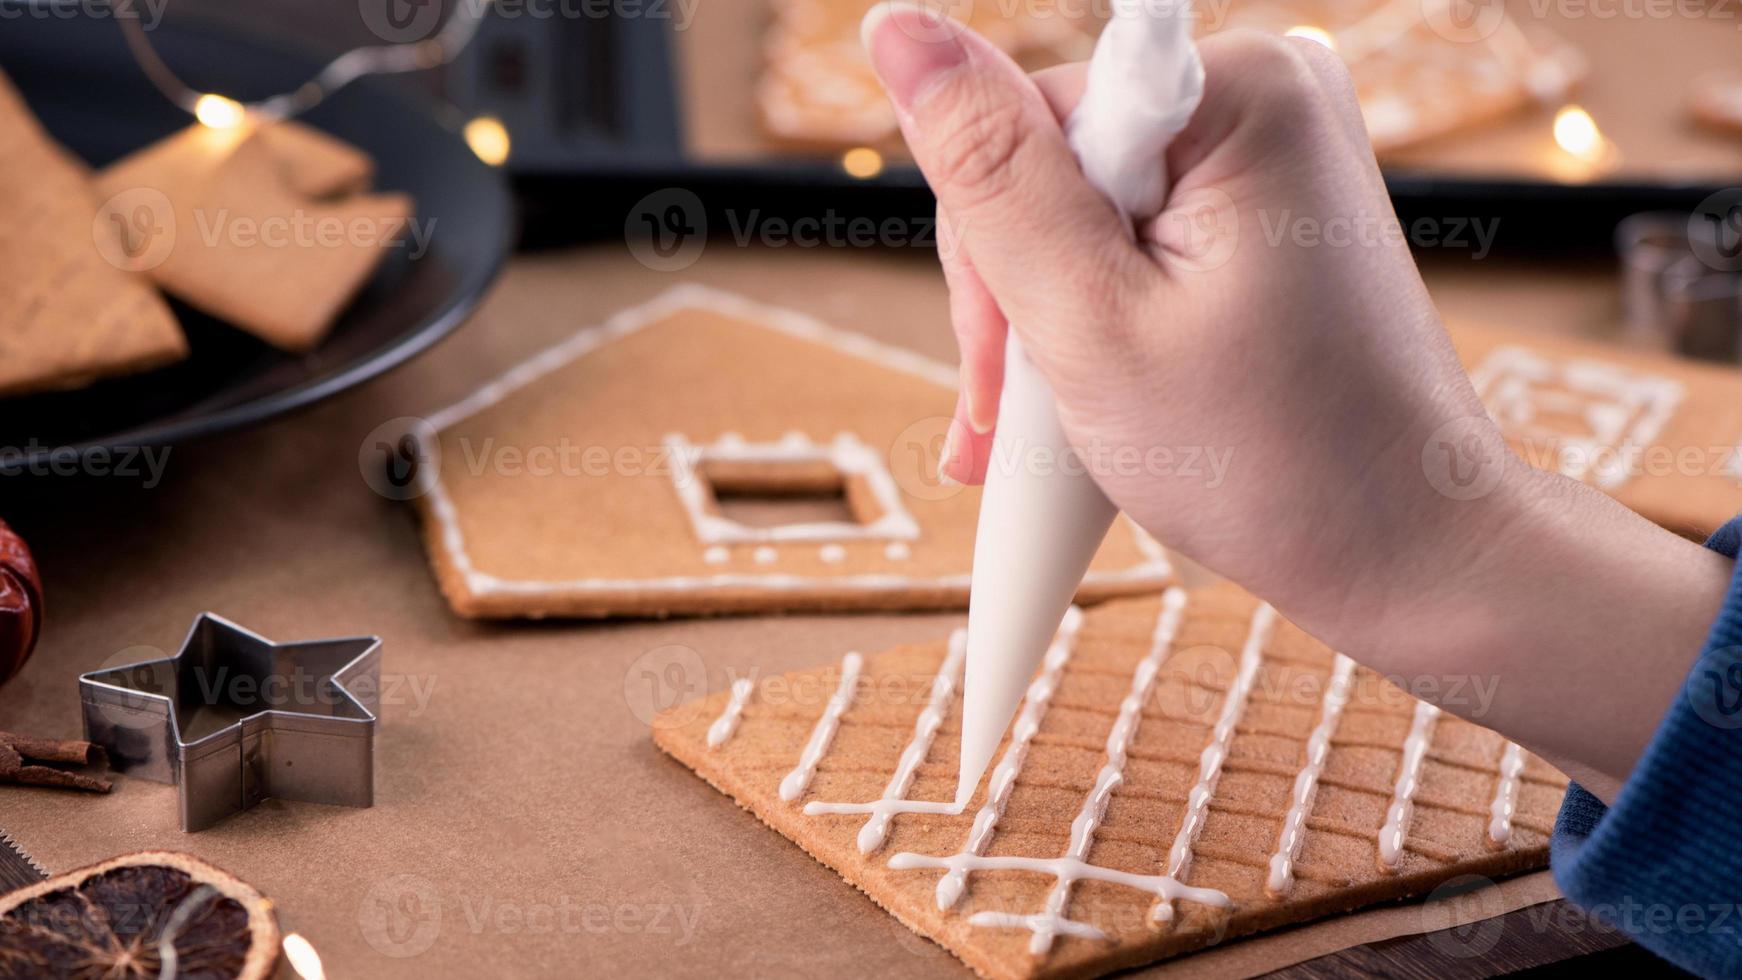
(1185, 770)
(703, 453)
(1661, 434)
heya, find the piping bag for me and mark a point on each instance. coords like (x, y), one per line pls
(1039, 530)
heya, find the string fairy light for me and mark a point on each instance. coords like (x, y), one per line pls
(221, 112)
(1574, 130)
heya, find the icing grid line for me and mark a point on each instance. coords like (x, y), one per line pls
(1154, 570)
(1073, 865)
(793, 785)
(727, 724)
(1179, 857)
(925, 729)
(1402, 808)
(1049, 923)
(1505, 803)
(1306, 783)
(1003, 781)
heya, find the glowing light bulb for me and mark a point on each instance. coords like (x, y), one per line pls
(303, 958)
(1317, 35)
(219, 112)
(1576, 132)
(488, 138)
(862, 162)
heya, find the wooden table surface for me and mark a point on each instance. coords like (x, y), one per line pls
(527, 772)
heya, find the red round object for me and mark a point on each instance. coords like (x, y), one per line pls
(20, 603)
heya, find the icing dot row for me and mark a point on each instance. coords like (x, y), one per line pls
(830, 554)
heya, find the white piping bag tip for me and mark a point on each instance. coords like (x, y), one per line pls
(1038, 532)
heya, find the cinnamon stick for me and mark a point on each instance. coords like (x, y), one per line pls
(20, 756)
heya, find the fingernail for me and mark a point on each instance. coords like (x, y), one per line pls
(980, 422)
(911, 49)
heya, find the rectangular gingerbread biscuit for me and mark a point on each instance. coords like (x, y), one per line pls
(1661, 434)
(1186, 769)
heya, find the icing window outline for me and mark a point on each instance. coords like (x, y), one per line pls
(849, 456)
(1623, 410)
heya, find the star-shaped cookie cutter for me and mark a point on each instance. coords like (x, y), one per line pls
(234, 718)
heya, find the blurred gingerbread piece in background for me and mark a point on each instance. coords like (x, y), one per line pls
(270, 224)
(70, 311)
(818, 87)
(20, 603)
(1716, 101)
(1425, 68)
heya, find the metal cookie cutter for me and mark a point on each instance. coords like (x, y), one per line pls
(1681, 278)
(234, 718)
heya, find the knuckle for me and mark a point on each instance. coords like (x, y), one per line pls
(1283, 84)
(976, 158)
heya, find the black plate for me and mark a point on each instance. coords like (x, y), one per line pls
(88, 92)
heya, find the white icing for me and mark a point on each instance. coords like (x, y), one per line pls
(925, 730)
(727, 723)
(1073, 865)
(1061, 867)
(1053, 920)
(1151, 571)
(716, 555)
(1040, 924)
(1179, 857)
(1306, 782)
(793, 785)
(846, 453)
(1505, 794)
(1623, 411)
(1402, 808)
(834, 554)
(765, 555)
(1004, 774)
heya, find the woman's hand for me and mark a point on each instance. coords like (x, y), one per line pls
(1312, 382)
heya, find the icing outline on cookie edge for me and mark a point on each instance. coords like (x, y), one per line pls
(1153, 569)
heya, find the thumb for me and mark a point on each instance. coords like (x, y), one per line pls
(1049, 247)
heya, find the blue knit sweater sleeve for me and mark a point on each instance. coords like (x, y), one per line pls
(1664, 864)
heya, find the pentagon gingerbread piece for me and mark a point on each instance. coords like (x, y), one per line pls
(706, 454)
(1186, 768)
(267, 225)
(70, 311)
(1424, 68)
(1716, 101)
(1660, 434)
(818, 86)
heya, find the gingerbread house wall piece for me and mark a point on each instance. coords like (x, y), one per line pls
(586, 480)
(1656, 432)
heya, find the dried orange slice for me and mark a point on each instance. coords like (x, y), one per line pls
(150, 914)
